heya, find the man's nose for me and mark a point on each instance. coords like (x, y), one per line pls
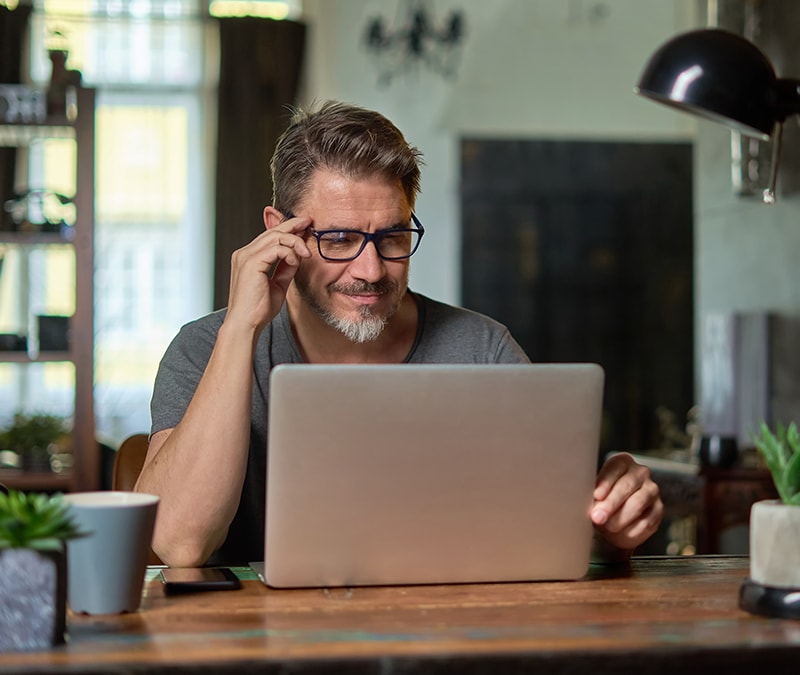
(369, 266)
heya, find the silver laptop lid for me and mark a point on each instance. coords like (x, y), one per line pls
(410, 474)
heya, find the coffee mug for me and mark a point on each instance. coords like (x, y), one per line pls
(106, 568)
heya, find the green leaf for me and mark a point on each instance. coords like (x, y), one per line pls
(49, 544)
(793, 438)
(35, 520)
(770, 450)
(781, 452)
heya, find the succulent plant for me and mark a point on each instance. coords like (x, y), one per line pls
(781, 452)
(35, 520)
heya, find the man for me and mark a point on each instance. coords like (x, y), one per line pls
(326, 282)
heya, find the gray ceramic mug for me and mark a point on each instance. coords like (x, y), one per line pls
(106, 569)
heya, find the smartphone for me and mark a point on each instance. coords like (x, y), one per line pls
(194, 579)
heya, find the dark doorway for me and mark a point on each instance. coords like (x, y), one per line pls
(584, 250)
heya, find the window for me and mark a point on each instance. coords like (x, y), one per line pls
(153, 197)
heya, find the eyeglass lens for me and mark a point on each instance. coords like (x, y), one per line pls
(344, 244)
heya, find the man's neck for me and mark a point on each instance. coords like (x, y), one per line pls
(321, 343)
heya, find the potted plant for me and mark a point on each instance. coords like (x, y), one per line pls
(34, 528)
(774, 582)
(32, 438)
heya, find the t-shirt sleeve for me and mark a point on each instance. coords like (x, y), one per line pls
(509, 350)
(180, 370)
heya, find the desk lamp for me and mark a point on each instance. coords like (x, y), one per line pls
(723, 77)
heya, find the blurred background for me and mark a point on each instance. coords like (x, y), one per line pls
(597, 225)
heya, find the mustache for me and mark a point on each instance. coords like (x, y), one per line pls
(365, 288)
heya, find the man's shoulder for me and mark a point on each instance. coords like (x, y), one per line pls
(195, 339)
(451, 334)
(207, 324)
(436, 311)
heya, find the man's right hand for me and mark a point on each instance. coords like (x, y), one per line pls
(262, 270)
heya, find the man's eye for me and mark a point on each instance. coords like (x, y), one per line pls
(342, 237)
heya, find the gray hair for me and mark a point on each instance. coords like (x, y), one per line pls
(350, 140)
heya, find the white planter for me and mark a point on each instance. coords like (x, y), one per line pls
(775, 544)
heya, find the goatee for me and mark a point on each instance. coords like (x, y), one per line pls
(369, 326)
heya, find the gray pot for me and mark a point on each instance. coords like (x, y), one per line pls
(33, 599)
(775, 544)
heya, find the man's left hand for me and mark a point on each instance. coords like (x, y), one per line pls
(627, 507)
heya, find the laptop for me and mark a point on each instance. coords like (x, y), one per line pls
(430, 474)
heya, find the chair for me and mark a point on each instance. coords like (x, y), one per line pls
(128, 464)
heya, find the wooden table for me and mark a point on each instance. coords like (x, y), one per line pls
(677, 615)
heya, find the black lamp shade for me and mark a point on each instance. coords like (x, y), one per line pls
(720, 76)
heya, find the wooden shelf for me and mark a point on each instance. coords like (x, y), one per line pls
(15, 479)
(86, 455)
(43, 357)
(32, 238)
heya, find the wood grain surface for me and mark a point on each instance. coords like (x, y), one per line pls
(655, 615)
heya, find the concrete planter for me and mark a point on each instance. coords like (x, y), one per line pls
(775, 544)
(33, 599)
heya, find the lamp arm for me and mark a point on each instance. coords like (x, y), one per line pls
(768, 195)
(787, 92)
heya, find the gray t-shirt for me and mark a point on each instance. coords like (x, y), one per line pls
(445, 334)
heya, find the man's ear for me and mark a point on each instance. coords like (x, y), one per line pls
(272, 217)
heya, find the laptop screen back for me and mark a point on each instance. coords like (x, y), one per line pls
(413, 474)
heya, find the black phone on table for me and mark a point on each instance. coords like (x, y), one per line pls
(194, 579)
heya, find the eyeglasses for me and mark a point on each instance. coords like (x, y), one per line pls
(391, 243)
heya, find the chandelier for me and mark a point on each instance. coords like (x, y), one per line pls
(418, 40)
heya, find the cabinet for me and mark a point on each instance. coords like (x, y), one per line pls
(729, 496)
(20, 128)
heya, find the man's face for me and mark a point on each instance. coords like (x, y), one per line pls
(357, 297)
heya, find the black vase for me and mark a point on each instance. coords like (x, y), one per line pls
(720, 452)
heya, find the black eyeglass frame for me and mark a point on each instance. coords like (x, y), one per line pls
(374, 237)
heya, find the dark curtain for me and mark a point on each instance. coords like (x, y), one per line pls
(13, 34)
(260, 64)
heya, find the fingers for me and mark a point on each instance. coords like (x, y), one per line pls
(295, 225)
(262, 270)
(627, 507)
(614, 468)
(635, 534)
(282, 243)
(291, 246)
(632, 509)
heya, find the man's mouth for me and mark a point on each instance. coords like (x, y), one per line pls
(366, 299)
(364, 294)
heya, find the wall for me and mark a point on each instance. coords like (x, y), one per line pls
(530, 68)
(746, 252)
(564, 69)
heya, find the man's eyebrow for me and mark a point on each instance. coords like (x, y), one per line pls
(403, 225)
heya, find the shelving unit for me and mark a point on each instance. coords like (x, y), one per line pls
(85, 472)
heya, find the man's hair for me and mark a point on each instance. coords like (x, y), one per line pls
(349, 140)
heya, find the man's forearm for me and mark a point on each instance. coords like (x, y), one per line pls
(198, 468)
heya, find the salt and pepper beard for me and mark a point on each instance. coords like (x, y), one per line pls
(369, 326)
